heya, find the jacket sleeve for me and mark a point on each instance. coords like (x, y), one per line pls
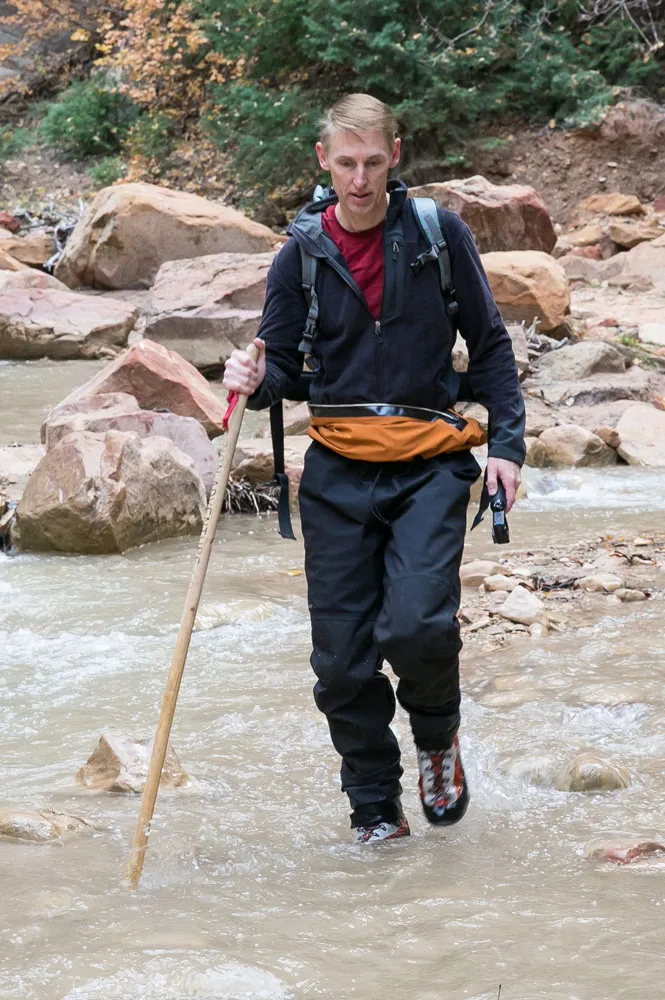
(281, 327)
(492, 371)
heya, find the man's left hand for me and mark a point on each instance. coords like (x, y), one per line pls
(508, 473)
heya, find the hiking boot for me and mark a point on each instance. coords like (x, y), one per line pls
(443, 789)
(381, 822)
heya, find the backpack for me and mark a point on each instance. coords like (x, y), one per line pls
(427, 217)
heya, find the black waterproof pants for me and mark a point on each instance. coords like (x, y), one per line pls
(383, 546)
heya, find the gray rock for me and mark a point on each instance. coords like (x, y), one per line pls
(119, 763)
(568, 446)
(522, 606)
(641, 432)
(578, 361)
(39, 827)
(473, 574)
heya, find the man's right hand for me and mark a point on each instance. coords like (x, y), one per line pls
(243, 375)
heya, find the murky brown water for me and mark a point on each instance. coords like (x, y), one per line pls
(251, 888)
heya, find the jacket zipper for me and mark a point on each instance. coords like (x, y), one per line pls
(379, 356)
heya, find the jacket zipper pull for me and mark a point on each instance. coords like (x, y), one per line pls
(395, 251)
(377, 329)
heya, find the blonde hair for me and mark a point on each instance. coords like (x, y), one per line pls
(358, 113)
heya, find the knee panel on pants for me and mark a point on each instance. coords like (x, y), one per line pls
(418, 626)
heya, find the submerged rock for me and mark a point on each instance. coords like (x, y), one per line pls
(120, 763)
(39, 827)
(588, 772)
(600, 583)
(623, 852)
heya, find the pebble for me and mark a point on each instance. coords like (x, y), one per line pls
(629, 595)
(600, 582)
(499, 582)
(537, 629)
(473, 574)
(522, 607)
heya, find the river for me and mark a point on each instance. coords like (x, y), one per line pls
(251, 887)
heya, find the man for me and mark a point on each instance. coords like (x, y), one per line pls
(386, 483)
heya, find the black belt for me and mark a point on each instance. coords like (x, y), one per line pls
(350, 410)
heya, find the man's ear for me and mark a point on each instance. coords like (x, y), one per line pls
(323, 158)
(396, 153)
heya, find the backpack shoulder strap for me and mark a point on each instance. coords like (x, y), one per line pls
(308, 269)
(427, 215)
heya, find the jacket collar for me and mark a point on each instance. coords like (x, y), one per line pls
(307, 229)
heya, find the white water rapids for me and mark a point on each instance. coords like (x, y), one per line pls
(251, 887)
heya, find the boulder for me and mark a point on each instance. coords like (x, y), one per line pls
(568, 445)
(635, 384)
(605, 583)
(589, 772)
(652, 333)
(29, 278)
(501, 217)
(97, 493)
(473, 573)
(9, 263)
(608, 435)
(529, 284)
(9, 222)
(253, 459)
(628, 234)
(586, 236)
(17, 463)
(40, 827)
(522, 606)
(623, 852)
(612, 203)
(581, 360)
(158, 379)
(33, 249)
(46, 323)
(120, 412)
(119, 763)
(207, 307)
(297, 419)
(579, 268)
(645, 261)
(130, 230)
(539, 417)
(641, 432)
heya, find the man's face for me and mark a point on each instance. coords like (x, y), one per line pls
(359, 164)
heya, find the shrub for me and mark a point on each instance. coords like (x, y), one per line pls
(152, 135)
(107, 171)
(90, 118)
(13, 140)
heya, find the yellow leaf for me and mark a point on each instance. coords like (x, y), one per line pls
(80, 35)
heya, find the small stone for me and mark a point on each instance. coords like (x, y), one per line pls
(498, 581)
(600, 582)
(639, 541)
(120, 764)
(613, 600)
(589, 772)
(537, 630)
(473, 574)
(522, 606)
(629, 596)
(609, 436)
(39, 827)
(623, 852)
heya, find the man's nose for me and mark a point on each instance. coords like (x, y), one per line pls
(360, 177)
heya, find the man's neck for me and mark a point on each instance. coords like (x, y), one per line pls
(356, 224)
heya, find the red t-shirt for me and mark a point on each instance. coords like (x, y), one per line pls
(363, 253)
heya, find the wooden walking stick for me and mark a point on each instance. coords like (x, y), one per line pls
(139, 846)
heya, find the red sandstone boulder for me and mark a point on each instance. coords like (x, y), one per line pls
(120, 412)
(48, 323)
(501, 217)
(528, 284)
(207, 307)
(158, 379)
(99, 493)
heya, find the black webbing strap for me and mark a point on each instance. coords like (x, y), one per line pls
(281, 478)
(308, 265)
(428, 219)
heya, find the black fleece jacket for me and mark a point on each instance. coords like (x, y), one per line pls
(405, 357)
